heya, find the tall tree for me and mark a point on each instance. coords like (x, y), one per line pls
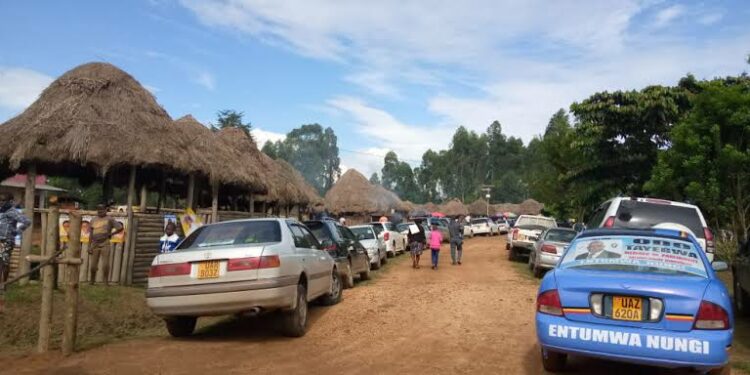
(314, 151)
(399, 177)
(229, 118)
(374, 179)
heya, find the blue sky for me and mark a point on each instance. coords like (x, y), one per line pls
(385, 75)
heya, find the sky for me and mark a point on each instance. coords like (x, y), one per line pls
(395, 75)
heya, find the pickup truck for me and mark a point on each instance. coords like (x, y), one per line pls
(524, 234)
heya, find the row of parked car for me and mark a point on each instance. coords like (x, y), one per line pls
(258, 266)
(637, 283)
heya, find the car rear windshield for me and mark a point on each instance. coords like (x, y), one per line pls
(363, 233)
(241, 233)
(531, 221)
(479, 221)
(319, 230)
(560, 235)
(646, 254)
(644, 215)
(378, 229)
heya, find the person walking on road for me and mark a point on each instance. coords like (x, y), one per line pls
(436, 238)
(417, 242)
(12, 222)
(99, 247)
(456, 230)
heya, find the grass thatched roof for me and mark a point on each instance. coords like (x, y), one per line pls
(95, 115)
(530, 207)
(431, 207)
(479, 207)
(354, 194)
(221, 162)
(454, 207)
(304, 193)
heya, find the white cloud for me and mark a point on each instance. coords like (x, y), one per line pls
(19, 87)
(205, 79)
(261, 136)
(710, 18)
(665, 16)
(366, 160)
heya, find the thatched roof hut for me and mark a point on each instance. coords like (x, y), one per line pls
(354, 194)
(431, 207)
(408, 206)
(479, 207)
(94, 116)
(530, 207)
(454, 207)
(305, 193)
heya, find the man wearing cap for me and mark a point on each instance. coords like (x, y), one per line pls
(102, 230)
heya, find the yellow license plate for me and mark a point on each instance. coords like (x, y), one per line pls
(208, 270)
(627, 308)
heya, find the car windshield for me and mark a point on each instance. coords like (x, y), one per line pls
(532, 221)
(644, 215)
(646, 254)
(240, 233)
(378, 228)
(363, 233)
(479, 221)
(560, 235)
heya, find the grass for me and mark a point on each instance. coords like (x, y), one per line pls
(740, 359)
(392, 262)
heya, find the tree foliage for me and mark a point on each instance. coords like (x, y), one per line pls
(229, 118)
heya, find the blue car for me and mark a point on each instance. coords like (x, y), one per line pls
(640, 296)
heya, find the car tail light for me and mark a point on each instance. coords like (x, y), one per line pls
(254, 263)
(549, 249)
(330, 247)
(515, 233)
(172, 269)
(710, 247)
(711, 316)
(610, 222)
(549, 303)
(386, 236)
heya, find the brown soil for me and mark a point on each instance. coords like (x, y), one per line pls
(474, 318)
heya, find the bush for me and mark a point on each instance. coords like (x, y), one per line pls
(726, 250)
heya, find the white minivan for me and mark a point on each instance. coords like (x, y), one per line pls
(645, 213)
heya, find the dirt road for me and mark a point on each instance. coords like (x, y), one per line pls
(474, 318)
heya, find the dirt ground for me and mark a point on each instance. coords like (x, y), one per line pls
(469, 319)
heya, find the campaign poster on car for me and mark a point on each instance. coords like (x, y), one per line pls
(659, 253)
(190, 221)
(120, 237)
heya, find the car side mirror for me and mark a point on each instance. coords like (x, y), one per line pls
(719, 266)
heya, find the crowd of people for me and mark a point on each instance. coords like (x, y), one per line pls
(419, 241)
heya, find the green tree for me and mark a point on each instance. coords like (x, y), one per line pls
(374, 179)
(271, 149)
(429, 175)
(229, 118)
(399, 177)
(314, 151)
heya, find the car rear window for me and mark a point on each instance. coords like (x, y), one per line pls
(363, 233)
(535, 221)
(560, 235)
(479, 221)
(319, 230)
(378, 228)
(391, 227)
(644, 215)
(646, 254)
(233, 234)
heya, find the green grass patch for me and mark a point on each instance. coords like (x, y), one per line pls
(523, 269)
(394, 262)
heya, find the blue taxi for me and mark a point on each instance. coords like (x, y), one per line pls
(640, 296)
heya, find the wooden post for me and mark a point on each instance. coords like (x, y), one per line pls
(70, 319)
(162, 192)
(128, 246)
(144, 198)
(45, 315)
(214, 201)
(251, 198)
(28, 206)
(128, 279)
(190, 191)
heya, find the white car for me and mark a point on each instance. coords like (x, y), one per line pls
(374, 245)
(525, 233)
(645, 213)
(484, 226)
(395, 242)
(246, 267)
(502, 226)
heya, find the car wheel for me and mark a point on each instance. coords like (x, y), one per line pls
(531, 261)
(365, 275)
(741, 299)
(512, 254)
(376, 265)
(349, 277)
(538, 271)
(507, 246)
(294, 322)
(553, 361)
(180, 326)
(334, 296)
(385, 258)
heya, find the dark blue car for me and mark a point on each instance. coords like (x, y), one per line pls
(641, 296)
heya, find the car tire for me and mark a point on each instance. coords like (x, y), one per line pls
(512, 254)
(538, 272)
(349, 277)
(180, 326)
(365, 275)
(376, 266)
(334, 296)
(507, 246)
(293, 323)
(531, 261)
(741, 299)
(553, 361)
(385, 258)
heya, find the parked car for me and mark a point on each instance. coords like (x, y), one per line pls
(248, 266)
(468, 230)
(484, 226)
(502, 225)
(395, 242)
(525, 233)
(404, 229)
(442, 226)
(350, 256)
(375, 247)
(548, 250)
(645, 213)
(640, 296)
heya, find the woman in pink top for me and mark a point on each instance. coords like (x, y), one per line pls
(436, 238)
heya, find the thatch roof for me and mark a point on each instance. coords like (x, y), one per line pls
(304, 193)
(454, 207)
(408, 206)
(506, 207)
(354, 194)
(479, 207)
(530, 207)
(220, 161)
(430, 207)
(95, 115)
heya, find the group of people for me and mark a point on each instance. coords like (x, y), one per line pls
(418, 241)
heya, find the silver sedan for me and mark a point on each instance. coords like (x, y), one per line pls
(548, 249)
